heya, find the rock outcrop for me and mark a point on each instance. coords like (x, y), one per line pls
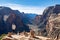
(50, 22)
(8, 17)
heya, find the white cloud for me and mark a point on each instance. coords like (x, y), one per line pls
(26, 9)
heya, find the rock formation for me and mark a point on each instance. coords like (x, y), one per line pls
(51, 23)
(9, 17)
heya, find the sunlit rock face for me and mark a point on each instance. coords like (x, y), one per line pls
(50, 21)
(53, 26)
(54, 23)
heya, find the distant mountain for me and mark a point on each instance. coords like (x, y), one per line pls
(37, 19)
(28, 18)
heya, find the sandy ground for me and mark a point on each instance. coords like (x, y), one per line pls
(22, 37)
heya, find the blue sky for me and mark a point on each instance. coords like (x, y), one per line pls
(29, 6)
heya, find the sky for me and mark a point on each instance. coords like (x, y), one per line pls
(29, 6)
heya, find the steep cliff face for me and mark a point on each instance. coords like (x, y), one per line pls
(9, 17)
(53, 24)
(45, 16)
(50, 21)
